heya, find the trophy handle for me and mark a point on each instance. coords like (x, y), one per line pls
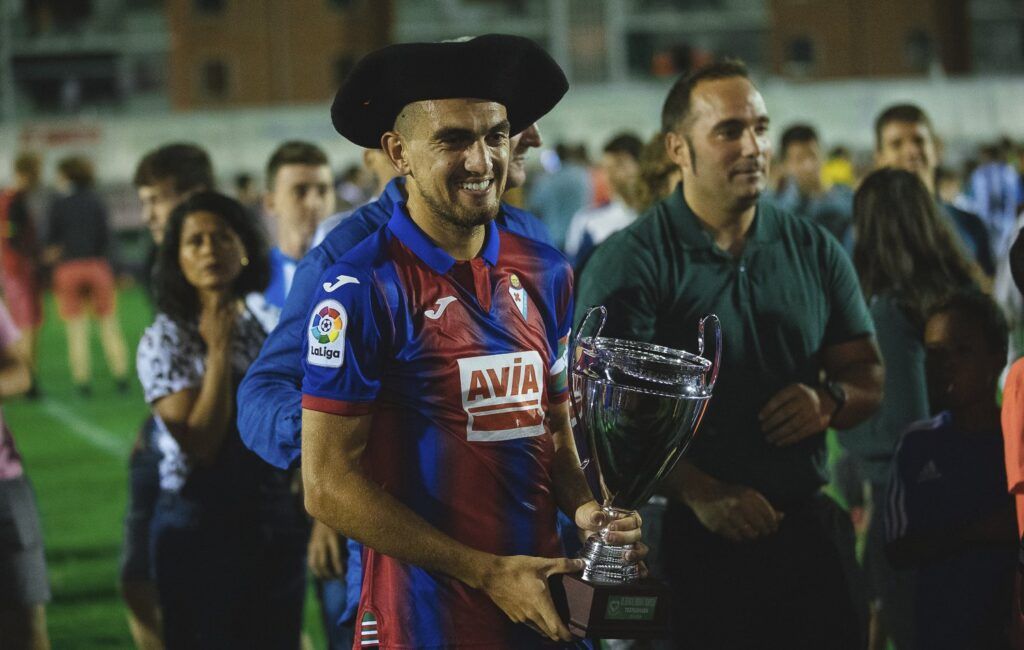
(717, 361)
(602, 312)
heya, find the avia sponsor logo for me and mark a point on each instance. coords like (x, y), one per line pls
(502, 395)
(327, 325)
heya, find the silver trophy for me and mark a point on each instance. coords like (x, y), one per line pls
(640, 406)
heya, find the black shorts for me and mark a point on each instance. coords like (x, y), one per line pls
(23, 580)
(143, 491)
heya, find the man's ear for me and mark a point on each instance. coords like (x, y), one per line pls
(677, 149)
(394, 148)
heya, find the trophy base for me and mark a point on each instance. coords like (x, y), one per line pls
(635, 610)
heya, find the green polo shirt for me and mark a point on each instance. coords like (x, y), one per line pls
(791, 293)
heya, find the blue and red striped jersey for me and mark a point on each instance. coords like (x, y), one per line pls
(458, 363)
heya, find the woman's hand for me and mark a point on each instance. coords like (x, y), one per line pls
(217, 323)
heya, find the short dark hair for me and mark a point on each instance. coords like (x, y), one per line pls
(186, 165)
(677, 105)
(626, 143)
(78, 170)
(174, 295)
(294, 152)
(796, 134)
(984, 312)
(908, 113)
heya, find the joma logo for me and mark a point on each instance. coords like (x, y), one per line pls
(503, 395)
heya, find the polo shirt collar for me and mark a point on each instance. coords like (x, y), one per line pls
(764, 229)
(405, 229)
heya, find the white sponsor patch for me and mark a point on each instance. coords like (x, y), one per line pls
(327, 328)
(502, 395)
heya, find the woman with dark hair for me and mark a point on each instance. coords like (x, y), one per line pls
(79, 245)
(908, 261)
(228, 536)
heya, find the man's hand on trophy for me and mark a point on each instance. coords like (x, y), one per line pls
(590, 519)
(796, 412)
(736, 512)
(518, 585)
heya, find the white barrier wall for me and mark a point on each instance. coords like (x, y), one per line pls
(965, 112)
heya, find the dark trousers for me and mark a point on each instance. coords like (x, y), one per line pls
(226, 581)
(795, 589)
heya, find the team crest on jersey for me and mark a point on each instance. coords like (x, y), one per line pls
(327, 326)
(501, 394)
(518, 293)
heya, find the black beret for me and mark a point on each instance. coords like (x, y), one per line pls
(511, 70)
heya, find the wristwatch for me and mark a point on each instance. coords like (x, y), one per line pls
(836, 391)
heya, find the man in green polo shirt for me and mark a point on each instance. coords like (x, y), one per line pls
(756, 555)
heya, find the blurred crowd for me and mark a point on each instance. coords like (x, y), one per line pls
(933, 249)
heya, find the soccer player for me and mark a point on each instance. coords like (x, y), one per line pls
(434, 422)
(300, 194)
(270, 413)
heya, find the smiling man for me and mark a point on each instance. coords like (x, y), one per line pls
(435, 428)
(756, 555)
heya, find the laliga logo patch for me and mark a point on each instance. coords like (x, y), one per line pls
(327, 335)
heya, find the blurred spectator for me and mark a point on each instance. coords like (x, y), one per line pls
(558, 195)
(908, 261)
(20, 257)
(995, 187)
(805, 193)
(24, 588)
(300, 194)
(228, 538)
(247, 194)
(949, 515)
(377, 164)
(949, 186)
(904, 138)
(82, 278)
(589, 227)
(1013, 402)
(356, 186)
(838, 169)
(164, 177)
(658, 174)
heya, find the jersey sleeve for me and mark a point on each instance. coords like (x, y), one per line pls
(270, 395)
(848, 313)
(167, 361)
(347, 338)
(558, 381)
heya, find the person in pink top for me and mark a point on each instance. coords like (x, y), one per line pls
(24, 589)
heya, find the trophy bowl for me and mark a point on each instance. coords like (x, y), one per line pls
(640, 406)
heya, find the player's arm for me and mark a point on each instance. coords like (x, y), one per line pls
(570, 485)
(270, 395)
(338, 493)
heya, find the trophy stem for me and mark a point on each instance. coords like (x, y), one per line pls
(606, 563)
